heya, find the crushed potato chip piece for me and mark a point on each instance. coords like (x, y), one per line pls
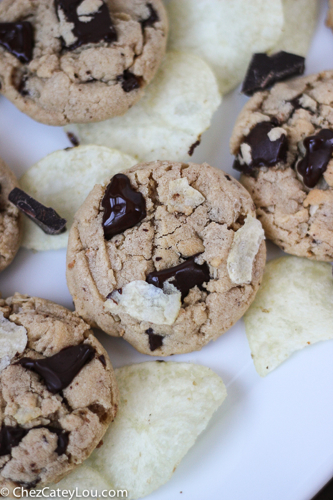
(183, 197)
(292, 309)
(146, 302)
(63, 180)
(225, 33)
(177, 108)
(247, 241)
(84, 478)
(13, 339)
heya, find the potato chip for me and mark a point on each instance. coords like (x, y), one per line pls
(292, 309)
(177, 108)
(225, 33)
(13, 340)
(63, 180)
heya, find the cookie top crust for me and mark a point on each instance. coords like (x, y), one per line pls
(10, 227)
(283, 143)
(171, 282)
(58, 392)
(67, 61)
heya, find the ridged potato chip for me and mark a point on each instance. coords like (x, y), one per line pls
(292, 310)
(177, 108)
(63, 180)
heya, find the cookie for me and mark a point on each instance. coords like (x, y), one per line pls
(167, 255)
(10, 227)
(58, 392)
(65, 61)
(283, 143)
(329, 20)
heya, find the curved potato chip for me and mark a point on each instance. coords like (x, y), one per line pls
(225, 33)
(292, 309)
(177, 108)
(63, 180)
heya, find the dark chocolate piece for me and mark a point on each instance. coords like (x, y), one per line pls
(99, 29)
(151, 19)
(73, 139)
(129, 81)
(18, 39)
(265, 70)
(59, 370)
(184, 277)
(46, 218)
(10, 437)
(319, 150)
(264, 152)
(123, 206)
(28, 486)
(102, 359)
(155, 340)
(193, 147)
(62, 438)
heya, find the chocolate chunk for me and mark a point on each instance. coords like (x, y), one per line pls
(73, 139)
(265, 70)
(264, 152)
(319, 150)
(30, 485)
(59, 370)
(62, 439)
(155, 341)
(98, 29)
(18, 39)
(46, 218)
(151, 19)
(102, 359)
(123, 206)
(10, 437)
(193, 147)
(184, 277)
(129, 81)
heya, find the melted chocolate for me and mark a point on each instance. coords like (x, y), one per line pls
(123, 206)
(99, 29)
(319, 150)
(264, 152)
(59, 370)
(18, 39)
(10, 437)
(155, 341)
(129, 81)
(62, 438)
(184, 277)
(151, 19)
(265, 70)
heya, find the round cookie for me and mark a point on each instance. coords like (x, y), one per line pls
(58, 392)
(168, 256)
(283, 143)
(67, 61)
(10, 227)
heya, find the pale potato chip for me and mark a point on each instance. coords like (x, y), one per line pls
(63, 180)
(300, 21)
(292, 309)
(183, 197)
(177, 108)
(13, 340)
(225, 33)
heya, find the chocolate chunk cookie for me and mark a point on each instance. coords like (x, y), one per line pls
(66, 61)
(58, 392)
(167, 255)
(283, 143)
(10, 228)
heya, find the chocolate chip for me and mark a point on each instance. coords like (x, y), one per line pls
(98, 29)
(59, 370)
(73, 139)
(264, 152)
(129, 81)
(318, 153)
(46, 218)
(265, 70)
(63, 438)
(184, 277)
(192, 148)
(18, 39)
(155, 341)
(10, 437)
(151, 19)
(102, 359)
(30, 485)
(123, 206)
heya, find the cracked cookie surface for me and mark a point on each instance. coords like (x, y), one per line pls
(122, 285)
(296, 211)
(74, 77)
(10, 228)
(46, 432)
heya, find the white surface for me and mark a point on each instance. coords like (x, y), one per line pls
(272, 438)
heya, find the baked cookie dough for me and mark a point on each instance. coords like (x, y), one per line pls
(168, 256)
(58, 392)
(65, 61)
(283, 143)
(10, 228)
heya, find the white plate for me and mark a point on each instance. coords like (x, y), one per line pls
(272, 438)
